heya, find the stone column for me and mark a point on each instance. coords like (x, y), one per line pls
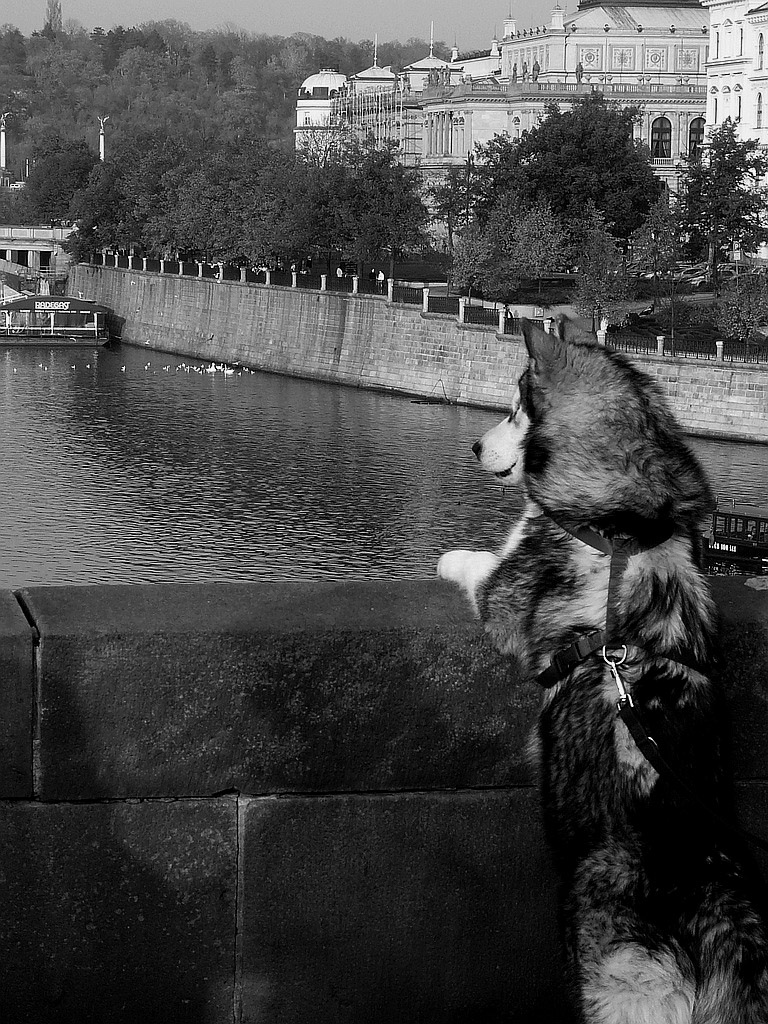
(719, 345)
(144, 263)
(462, 307)
(502, 320)
(294, 279)
(425, 300)
(242, 275)
(355, 284)
(162, 266)
(268, 277)
(660, 344)
(199, 269)
(323, 282)
(390, 289)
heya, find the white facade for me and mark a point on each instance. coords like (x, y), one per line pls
(737, 70)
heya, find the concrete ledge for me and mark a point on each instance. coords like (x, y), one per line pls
(118, 912)
(16, 680)
(184, 691)
(387, 861)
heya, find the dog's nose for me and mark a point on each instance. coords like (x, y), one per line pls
(477, 448)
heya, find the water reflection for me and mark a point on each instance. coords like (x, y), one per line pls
(128, 466)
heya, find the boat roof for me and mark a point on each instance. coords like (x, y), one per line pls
(741, 508)
(54, 304)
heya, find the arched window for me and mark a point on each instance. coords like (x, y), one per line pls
(695, 136)
(661, 138)
(760, 51)
(759, 111)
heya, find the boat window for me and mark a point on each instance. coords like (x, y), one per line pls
(762, 536)
(751, 529)
(721, 524)
(737, 527)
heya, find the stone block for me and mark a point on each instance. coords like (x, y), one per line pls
(183, 691)
(421, 908)
(17, 698)
(119, 913)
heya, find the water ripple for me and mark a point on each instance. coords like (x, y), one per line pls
(129, 466)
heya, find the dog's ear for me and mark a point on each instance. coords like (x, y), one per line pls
(547, 351)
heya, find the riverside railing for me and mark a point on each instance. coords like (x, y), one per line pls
(502, 320)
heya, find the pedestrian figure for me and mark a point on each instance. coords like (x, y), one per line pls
(535, 70)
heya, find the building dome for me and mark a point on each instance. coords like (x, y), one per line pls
(322, 86)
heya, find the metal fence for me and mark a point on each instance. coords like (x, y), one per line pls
(443, 304)
(339, 284)
(703, 348)
(308, 281)
(481, 315)
(410, 296)
(745, 351)
(282, 277)
(627, 342)
(368, 287)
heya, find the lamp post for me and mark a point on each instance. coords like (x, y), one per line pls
(102, 137)
(3, 118)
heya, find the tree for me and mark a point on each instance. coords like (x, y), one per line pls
(744, 309)
(383, 210)
(62, 170)
(601, 286)
(53, 22)
(520, 241)
(657, 246)
(583, 155)
(722, 199)
(450, 204)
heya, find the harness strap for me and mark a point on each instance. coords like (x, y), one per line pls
(563, 661)
(648, 747)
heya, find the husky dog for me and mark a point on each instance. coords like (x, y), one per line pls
(661, 916)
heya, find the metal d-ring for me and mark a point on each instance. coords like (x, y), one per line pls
(613, 665)
(611, 662)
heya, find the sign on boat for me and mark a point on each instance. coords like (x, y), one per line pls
(53, 320)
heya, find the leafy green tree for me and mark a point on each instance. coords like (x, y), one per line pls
(723, 200)
(383, 210)
(520, 241)
(583, 155)
(657, 245)
(602, 289)
(57, 176)
(742, 310)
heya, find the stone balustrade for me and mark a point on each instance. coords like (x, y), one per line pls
(288, 802)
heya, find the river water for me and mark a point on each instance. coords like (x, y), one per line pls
(129, 465)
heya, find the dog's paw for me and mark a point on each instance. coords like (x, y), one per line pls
(467, 568)
(452, 565)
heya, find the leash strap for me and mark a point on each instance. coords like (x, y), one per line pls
(649, 748)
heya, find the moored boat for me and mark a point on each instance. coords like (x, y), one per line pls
(53, 320)
(737, 539)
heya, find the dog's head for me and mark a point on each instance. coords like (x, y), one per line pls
(593, 442)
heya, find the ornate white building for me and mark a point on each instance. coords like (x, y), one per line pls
(737, 70)
(649, 53)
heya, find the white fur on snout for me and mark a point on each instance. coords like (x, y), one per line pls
(501, 449)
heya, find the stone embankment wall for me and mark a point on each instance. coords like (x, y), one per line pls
(299, 802)
(365, 342)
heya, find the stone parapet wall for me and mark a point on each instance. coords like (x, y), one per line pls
(363, 341)
(286, 802)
